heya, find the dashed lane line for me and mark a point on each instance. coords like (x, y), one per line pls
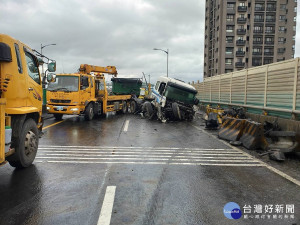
(280, 173)
(107, 206)
(126, 125)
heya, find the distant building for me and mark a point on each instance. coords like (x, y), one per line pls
(243, 33)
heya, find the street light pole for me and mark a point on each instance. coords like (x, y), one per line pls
(43, 46)
(167, 62)
(167, 52)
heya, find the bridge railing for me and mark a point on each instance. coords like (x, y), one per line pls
(272, 87)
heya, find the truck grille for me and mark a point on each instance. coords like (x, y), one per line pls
(60, 101)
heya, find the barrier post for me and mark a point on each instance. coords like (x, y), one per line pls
(266, 86)
(230, 88)
(295, 83)
(220, 88)
(245, 93)
(210, 89)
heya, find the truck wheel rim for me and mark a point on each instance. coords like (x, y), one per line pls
(30, 143)
(91, 112)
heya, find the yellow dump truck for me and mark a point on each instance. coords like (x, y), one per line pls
(20, 102)
(85, 93)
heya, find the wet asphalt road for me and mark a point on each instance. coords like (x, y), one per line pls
(172, 173)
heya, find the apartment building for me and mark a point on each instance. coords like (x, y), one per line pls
(243, 33)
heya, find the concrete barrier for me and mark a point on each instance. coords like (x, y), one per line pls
(253, 136)
(231, 129)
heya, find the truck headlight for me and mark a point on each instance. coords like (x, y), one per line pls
(48, 108)
(74, 109)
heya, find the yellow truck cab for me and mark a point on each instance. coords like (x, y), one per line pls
(20, 102)
(84, 93)
(70, 94)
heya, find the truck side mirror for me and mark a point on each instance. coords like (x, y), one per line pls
(5, 53)
(50, 77)
(52, 67)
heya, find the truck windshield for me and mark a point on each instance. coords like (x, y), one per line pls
(64, 83)
(178, 94)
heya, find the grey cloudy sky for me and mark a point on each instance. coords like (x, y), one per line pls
(122, 33)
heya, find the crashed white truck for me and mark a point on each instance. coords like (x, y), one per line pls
(172, 100)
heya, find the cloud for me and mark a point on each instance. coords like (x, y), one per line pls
(122, 33)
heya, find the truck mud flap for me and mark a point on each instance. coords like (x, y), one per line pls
(231, 129)
(253, 136)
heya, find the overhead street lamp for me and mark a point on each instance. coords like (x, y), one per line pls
(167, 52)
(43, 46)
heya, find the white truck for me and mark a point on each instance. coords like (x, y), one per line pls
(172, 100)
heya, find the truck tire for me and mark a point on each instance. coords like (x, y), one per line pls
(98, 112)
(133, 106)
(124, 107)
(89, 112)
(176, 111)
(26, 145)
(190, 117)
(58, 116)
(148, 110)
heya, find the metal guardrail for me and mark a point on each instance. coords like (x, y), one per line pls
(273, 87)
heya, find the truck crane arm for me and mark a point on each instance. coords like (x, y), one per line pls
(86, 69)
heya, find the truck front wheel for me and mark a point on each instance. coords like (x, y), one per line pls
(26, 145)
(133, 106)
(89, 112)
(148, 110)
(176, 111)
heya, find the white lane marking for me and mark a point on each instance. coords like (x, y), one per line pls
(107, 206)
(144, 155)
(208, 152)
(280, 173)
(136, 149)
(115, 147)
(152, 163)
(126, 125)
(145, 158)
(148, 151)
(219, 156)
